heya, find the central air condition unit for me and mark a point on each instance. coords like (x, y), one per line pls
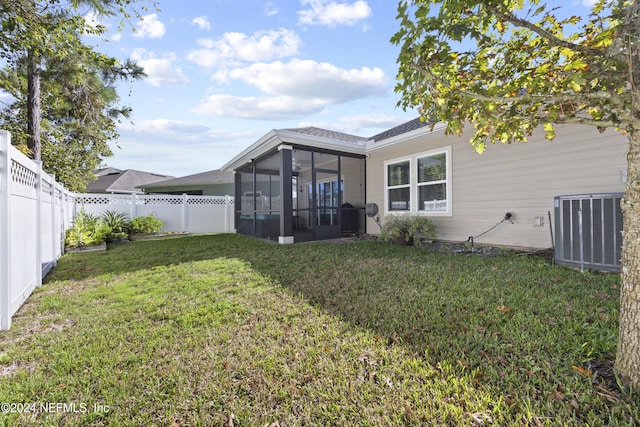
(589, 231)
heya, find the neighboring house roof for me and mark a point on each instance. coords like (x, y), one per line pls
(106, 171)
(203, 178)
(111, 180)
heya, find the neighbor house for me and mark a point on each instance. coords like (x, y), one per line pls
(116, 181)
(210, 183)
(311, 184)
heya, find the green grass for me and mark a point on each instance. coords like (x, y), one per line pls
(228, 330)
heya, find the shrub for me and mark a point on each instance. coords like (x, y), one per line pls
(119, 223)
(87, 230)
(404, 228)
(146, 224)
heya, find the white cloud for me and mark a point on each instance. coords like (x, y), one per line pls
(93, 21)
(307, 79)
(258, 108)
(175, 143)
(171, 127)
(293, 89)
(234, 48)
(159, 70)
(331, 13)
(201, 22)
(149, 27)
(270, 9)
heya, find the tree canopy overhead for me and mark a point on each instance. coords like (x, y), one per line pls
(66, 106)
(507, 67)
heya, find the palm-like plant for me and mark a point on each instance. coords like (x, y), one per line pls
(119, 224)
(118, 221)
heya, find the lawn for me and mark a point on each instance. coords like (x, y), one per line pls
(229, 330)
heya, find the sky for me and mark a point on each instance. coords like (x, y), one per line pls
(223, 73)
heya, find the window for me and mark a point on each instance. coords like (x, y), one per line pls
(420, 184)
(432, 182)
(399, 186)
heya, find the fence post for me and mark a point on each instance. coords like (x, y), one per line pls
(55, 236)
(133, 205)
(5, 229)
(227, 205)
(39, 243)
(64, 213)
(184, 212)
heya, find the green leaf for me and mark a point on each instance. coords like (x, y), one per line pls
(550, 132)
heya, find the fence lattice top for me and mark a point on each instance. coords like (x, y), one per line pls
(22, 175)
(141, 200)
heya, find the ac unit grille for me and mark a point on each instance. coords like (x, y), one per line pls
(593, 241)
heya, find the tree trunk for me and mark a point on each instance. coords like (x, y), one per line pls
(627, 362)
(34, 111)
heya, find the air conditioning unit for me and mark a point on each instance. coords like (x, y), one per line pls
(588, 231)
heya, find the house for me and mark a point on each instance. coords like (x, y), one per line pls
(475, 191)
(116, 181)
(308, 183)
(210, 183)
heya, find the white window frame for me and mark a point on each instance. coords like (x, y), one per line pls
(388, 187)
(415, 186)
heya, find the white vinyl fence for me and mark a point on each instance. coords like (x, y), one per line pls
(35, 211)
(183, 214)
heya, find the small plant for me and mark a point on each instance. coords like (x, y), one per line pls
(87, 230)
(146, 224)
(119, 223)
(408, 229)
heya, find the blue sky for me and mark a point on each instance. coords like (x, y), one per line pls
(222, 73)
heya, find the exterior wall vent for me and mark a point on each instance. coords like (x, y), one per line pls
(588, 231)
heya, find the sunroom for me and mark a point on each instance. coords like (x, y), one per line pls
(296, 185)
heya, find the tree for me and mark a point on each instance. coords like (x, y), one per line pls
(79, 112)
(64, 89)
(509, 66)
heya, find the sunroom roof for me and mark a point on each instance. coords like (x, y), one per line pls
(331, 134)
(307, 137)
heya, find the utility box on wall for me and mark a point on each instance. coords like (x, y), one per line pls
(588, 231)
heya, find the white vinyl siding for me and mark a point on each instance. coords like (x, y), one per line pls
(519, 178)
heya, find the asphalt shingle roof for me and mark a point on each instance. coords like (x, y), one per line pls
(330, 134)
(400, 129)
(203, 178)
(114, 180)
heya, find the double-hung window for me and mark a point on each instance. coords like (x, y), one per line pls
(432, 182)
(420, 184)
(399, 186)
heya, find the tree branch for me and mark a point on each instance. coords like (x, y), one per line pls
(518, 22)
(578, 120)
(561, 98)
